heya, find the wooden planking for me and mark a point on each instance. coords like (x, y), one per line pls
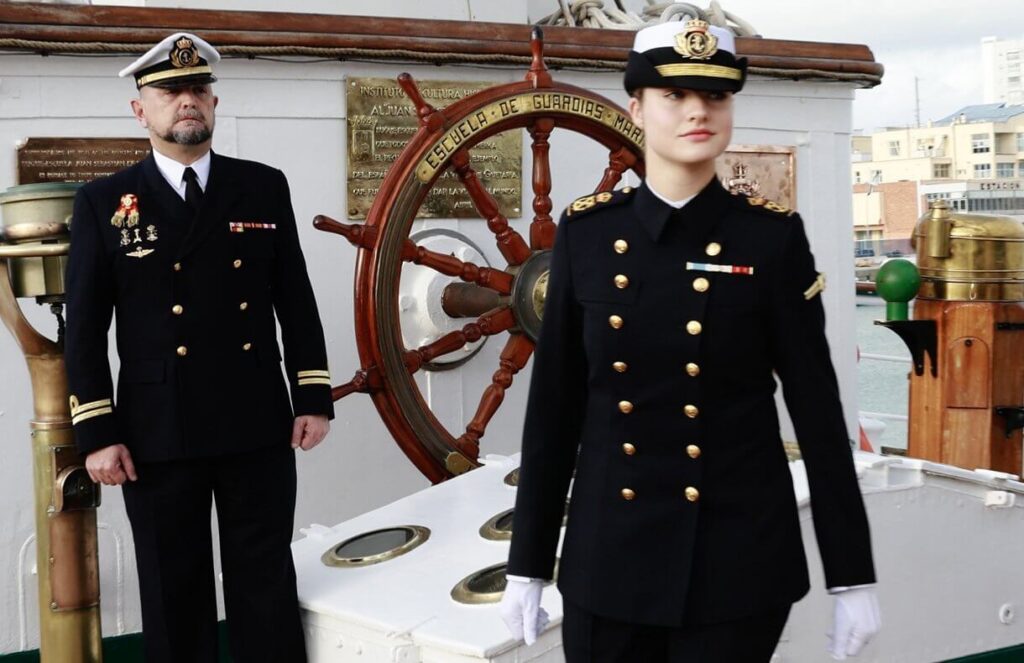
(951, 417)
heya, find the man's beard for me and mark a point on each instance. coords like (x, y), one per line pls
(190, 135)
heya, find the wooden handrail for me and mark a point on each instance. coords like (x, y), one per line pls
(46, 28)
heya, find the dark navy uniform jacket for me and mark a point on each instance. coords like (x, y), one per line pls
(195, 303)
(653, 381)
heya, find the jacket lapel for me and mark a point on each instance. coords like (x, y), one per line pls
(217, 198)
(161, 206)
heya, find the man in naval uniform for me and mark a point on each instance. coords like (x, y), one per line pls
(669, 308)
(196, 253)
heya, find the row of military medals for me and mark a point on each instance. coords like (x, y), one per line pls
(126, 218)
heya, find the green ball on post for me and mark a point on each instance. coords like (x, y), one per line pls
(897, 283)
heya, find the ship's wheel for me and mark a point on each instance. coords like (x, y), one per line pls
(504, 301)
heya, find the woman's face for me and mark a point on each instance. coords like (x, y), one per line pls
(684, 127)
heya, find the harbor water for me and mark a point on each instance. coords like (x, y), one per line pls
(882, 386)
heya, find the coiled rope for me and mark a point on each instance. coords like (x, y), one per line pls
(595, 14)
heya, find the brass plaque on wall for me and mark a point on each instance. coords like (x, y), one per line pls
(77, 159)
(381, 120)
(765, 171)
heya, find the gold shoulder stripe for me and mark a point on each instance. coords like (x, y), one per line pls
(816, 288)
(757, 201)
(586, 202)
(308, 381)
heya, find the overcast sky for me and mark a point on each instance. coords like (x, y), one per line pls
(939, 41)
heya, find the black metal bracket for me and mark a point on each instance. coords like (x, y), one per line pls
(920, 337)
(1013, 416)
(1010, 326)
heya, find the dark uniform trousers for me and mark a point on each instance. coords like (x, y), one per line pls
(201, 404)
(589, 638)
(653, 392)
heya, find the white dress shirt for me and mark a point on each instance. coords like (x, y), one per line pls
(174, 172)
(678, 204)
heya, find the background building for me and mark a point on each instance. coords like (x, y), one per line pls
(973, 158)
(1001, 67)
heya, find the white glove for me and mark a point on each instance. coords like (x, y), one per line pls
(520, 608)
(856, 620)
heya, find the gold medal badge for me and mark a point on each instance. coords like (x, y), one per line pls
(696, 42)
(127, 213)
(184, 53)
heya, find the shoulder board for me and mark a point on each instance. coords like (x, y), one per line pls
(767, 205)
(594, 201)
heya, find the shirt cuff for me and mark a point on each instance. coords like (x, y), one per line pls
(522, 579)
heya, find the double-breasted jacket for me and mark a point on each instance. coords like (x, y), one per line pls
(653, 383)
(194, 295)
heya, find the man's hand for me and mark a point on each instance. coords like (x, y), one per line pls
(856, 620)
(309, 430)
(111, 465)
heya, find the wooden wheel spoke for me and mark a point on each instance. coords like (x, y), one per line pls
(364, 381)
(542, 230)
(511, 244)
(513, 358)
(359, 235)
(488, 324)
(618, 162)
(494, 279)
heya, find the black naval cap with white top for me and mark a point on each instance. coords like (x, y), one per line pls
(691, 55)
(180, 59)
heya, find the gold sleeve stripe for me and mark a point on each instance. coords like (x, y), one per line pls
(90, 414)
(77, 409)
(308, 381)
(313, 374)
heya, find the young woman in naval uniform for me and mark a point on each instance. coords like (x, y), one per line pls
(670, 308)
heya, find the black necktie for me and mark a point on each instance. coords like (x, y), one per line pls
(193, 192)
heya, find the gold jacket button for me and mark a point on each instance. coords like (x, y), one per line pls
(628, 494)
(621, 281)
(693, 451)
(691, 411)
(692, 494)
(713, 249)
(627, 189)
(693, 327)
(243, 306)
(615, 322)
(177, 309)
(237, 263)
(247, 347)
(692, 369)
(628, 449)
(625, 407)
(177, 266)
(620, 366)
(182, 351)
(621, 246)
(701, 284)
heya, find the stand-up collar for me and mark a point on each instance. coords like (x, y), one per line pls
(705, 208)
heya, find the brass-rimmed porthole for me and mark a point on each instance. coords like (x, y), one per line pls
(485, 586)
(375, 547)
(498, 528)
